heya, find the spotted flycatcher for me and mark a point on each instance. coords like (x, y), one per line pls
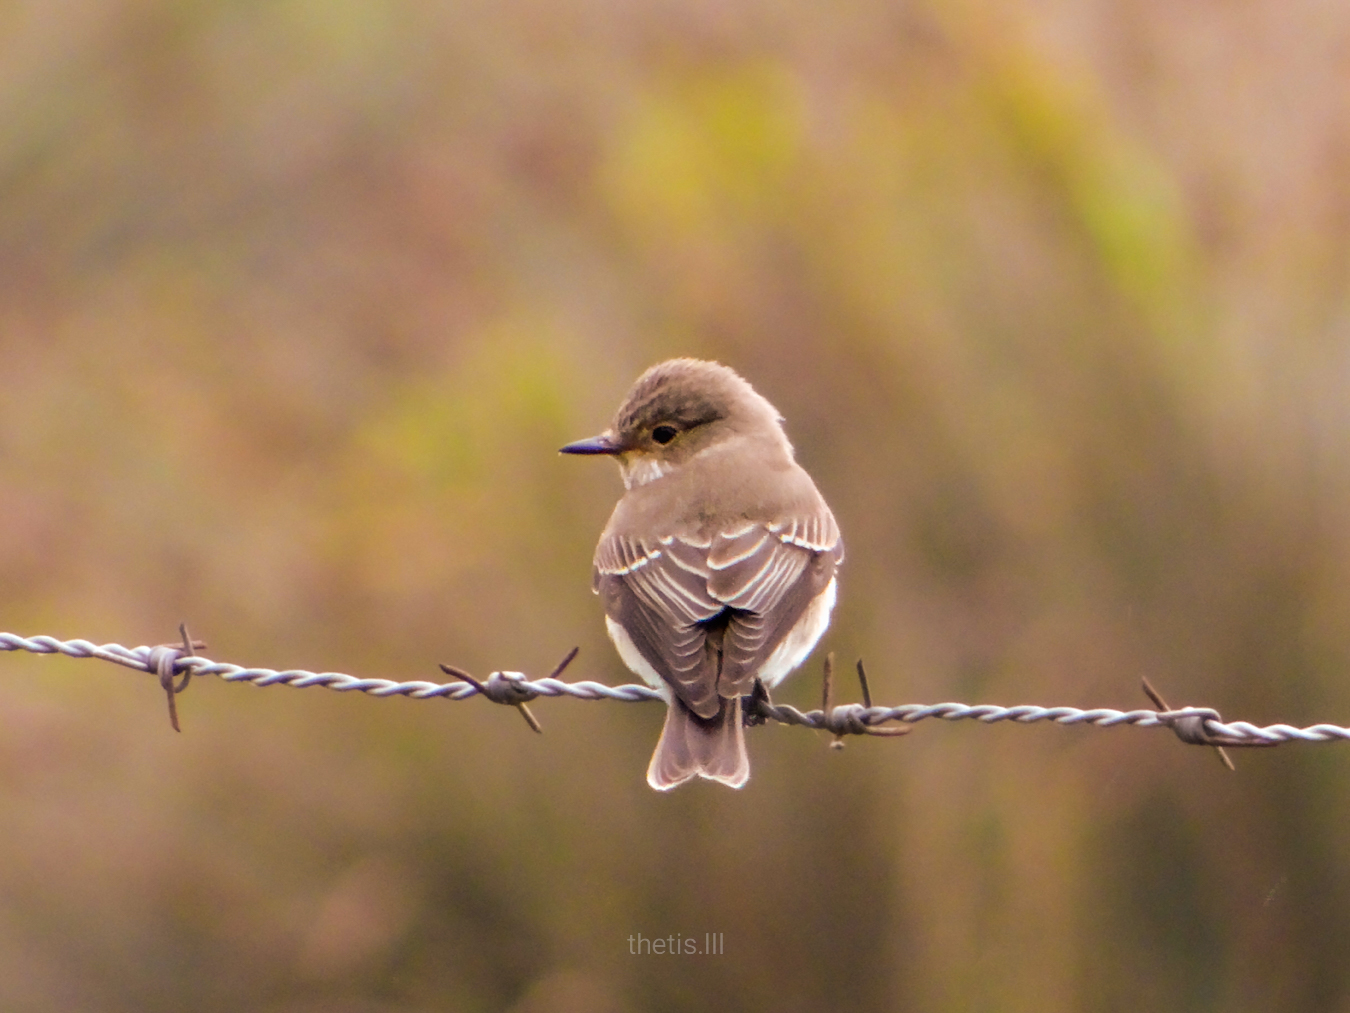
(717, 566)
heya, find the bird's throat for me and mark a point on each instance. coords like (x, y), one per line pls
(640, 469)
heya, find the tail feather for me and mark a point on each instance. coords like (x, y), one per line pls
(707, 747)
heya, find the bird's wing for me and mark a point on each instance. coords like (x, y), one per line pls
(707, 614)
(767, 576)
(657, 590)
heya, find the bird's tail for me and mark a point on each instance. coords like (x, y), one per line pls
(709, 747)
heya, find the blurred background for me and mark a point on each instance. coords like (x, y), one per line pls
(298, 300)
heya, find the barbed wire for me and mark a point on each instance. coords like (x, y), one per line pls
(1193, 725)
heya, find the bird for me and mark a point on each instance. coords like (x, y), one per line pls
(717, 567)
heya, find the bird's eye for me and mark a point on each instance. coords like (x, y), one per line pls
(664, 434)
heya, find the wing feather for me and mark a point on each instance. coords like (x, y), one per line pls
(707, 613)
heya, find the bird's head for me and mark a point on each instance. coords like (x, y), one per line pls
(677, 410)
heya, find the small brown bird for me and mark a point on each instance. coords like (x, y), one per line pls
(717, 566)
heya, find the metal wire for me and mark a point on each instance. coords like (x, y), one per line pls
(146, 659)
(1194, 725)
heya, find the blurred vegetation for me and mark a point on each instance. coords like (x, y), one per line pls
(297, 302)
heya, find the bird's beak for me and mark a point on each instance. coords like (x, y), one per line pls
(602, 444)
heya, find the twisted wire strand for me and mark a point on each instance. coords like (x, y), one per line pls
(515, 687)
(145, 659)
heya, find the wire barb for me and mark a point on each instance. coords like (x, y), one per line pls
(165, 658)
(1197, 725)
(847, 719)
(1191, 726)
(862, 682)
